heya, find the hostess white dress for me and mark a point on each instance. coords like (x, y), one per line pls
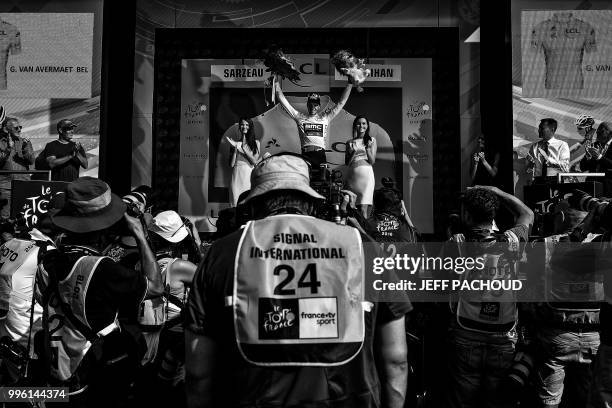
(241, 174)
(360, 177)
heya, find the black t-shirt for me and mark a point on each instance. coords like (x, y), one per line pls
(238, 383)
(113, 288)
(385, 227)
(68, 171)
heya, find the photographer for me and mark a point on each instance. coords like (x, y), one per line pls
(483, 330)
(562, 268)
(229, 367)
(92, 350)
(63, 155)
(598, 219)
(20, 318)
(161, 318)
(390, 221)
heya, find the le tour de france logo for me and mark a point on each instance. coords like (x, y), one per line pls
(418, 109)
(194, 112)
(38, 205)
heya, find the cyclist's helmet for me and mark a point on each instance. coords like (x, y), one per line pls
(584, 121)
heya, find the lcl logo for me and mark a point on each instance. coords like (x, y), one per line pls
(317, 67)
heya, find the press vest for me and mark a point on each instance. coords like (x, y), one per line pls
(572, 280)
(489, 311)
(155, 312)
(18, 260)
(298, 292)
(68, 343)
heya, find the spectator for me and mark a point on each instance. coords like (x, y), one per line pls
(598, 157)
(549, 156)
(64, 156)
(106, 288)
(16, 153)
(220, 374)
(485, 163)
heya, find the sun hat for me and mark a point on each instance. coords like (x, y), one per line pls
(169, 226)
(89, 206)
(280, 172)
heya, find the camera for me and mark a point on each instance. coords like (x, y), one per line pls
(521, 369)
(582, 201)
(138, 201)
(133, 209)
(329, 185)
(14, 226)
(13, 352)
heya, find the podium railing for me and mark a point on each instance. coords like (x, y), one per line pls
(560, 176)
(47, 172)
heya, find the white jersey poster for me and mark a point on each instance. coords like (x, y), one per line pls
(566, 53)
(46, 55)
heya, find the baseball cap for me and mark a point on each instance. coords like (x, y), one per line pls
(65, 124)
(280, 172)
(169, 226)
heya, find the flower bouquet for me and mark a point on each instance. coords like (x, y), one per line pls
(351, 66)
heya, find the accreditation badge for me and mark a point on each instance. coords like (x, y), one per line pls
(298, 292)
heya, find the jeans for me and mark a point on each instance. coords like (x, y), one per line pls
(565, 353)
(601, 386)
(478, 363)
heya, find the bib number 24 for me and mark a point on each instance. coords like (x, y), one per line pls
(308, 279)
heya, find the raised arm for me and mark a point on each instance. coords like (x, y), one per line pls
(251, 156)
(343, 99)
(490, 168)
(523, 214)
(183, 271)
(348, 152)
(150, 267)
(475, 164)
(25, 151)
(371, 149)
(6, 148)
(564, 157)
(283, 101)
(81, 156)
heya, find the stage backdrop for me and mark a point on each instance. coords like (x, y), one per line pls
(397, 100)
